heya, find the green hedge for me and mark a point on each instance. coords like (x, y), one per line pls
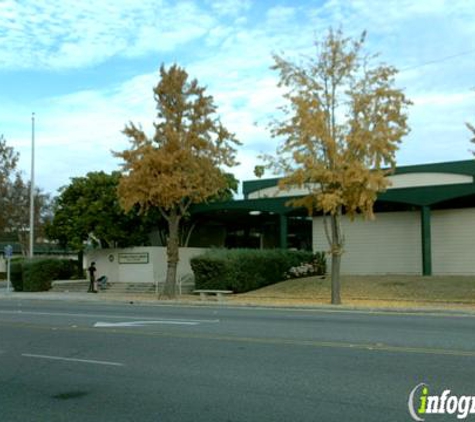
(242, 270)
(16, 274)
(36, 275)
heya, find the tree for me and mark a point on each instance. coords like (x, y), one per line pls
(15, 201)
(180, 165)
(259, 171)
(8, 162)
(88, 210)
(343, 123)
(227, 192)
(190, 221)
(18, 198)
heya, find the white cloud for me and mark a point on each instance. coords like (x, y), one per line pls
(279, 16)
(229, 7)
(458, 99)
(81, 128)
(75, 133)
(72, 34)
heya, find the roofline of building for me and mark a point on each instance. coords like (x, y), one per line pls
(465, 167)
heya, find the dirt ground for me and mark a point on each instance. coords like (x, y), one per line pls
(385, 291)
(371, 291)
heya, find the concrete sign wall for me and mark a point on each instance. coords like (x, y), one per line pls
(139, 265)
(134, 257)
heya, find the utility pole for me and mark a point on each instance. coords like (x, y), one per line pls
(32, 188)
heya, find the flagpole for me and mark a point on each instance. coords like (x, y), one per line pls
(32, 188)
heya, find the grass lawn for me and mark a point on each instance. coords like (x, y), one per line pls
(384, 290)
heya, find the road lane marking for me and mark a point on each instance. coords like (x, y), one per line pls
(309, 310)
(105, 316)
(371, 347)
(377, 312)
(100, 324)
(94, 362)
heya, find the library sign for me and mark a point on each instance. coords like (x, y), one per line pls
(134, 258)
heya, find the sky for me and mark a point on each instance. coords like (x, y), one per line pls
(88, 68)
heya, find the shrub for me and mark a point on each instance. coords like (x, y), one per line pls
(39, 273)
(67, 269)
(242, 270)
(317, 266)
(16, 274)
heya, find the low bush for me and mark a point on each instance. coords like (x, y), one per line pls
(316, 266)
(16, 274)
(67, 269)
(242, 270)
(37, 274)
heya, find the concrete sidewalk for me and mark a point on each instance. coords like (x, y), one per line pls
(49, 296)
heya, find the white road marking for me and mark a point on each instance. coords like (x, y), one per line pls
(97, 316)
(143, 323)
(94, 362)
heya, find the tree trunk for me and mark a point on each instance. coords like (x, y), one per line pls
(80, 264)
(336, 261)
(23, 241)
(169, 289)
(186, 234)
(336, 252)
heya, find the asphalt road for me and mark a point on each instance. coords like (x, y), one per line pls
(96, 362)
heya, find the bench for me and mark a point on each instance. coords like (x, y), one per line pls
(220, 294)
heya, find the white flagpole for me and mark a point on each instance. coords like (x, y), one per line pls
(32, 188)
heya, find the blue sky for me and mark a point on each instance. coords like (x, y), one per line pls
(87, 68)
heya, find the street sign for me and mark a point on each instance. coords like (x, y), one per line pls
(8, 251)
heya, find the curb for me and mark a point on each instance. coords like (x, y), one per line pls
(123, 299)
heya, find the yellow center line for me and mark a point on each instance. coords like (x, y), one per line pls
(371, 347)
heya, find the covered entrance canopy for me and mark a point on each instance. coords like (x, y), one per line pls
(263, 219)
(253, 223)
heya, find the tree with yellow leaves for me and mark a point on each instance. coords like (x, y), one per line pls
(180, 165)
(343, 123)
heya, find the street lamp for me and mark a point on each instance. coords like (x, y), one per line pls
(32, 188)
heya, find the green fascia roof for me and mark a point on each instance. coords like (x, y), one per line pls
(419, 196)
(466, 167)
(270, 205)
(250, 186)
(16, 248)
(416, 196)
(41, 249)
(427, 195)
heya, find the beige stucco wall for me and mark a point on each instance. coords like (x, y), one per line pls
(453, 241)
(390, 244)
(107, 263)
(412, 180)
(275, 192)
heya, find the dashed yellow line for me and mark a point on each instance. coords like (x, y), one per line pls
(370, 347)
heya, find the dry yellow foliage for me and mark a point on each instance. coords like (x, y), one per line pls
(181, 164)
(343, 124)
